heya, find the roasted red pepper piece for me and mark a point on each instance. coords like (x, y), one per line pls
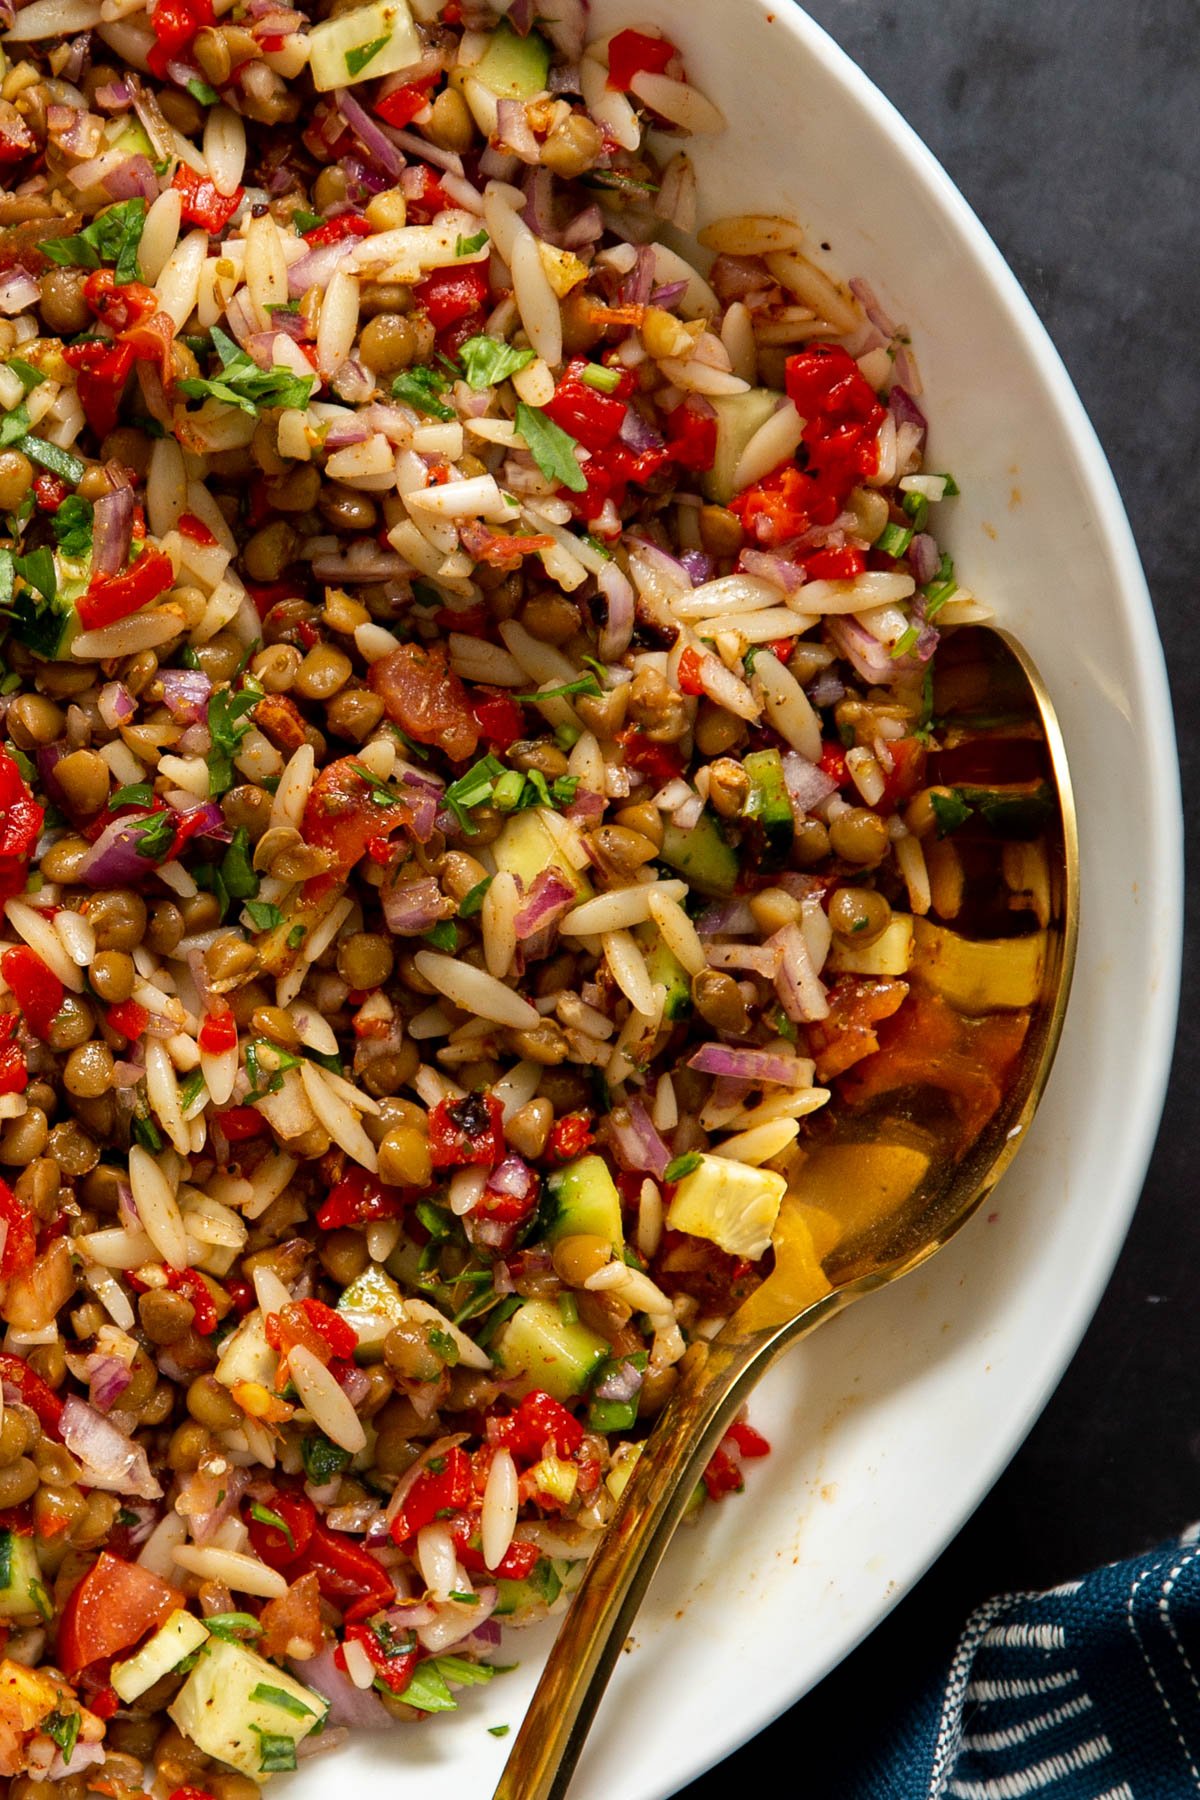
(219, 1032)
(451, 294)
(907, 773)
(129, 1017)
(391, 1653)
(466, 1132)
(358, 1199)
(114, 1605)
(118, 304)
(501, 721)
(432, 198)
(176, 22)
(723, 1474)
(300, 1321)
(113, 597)
(832, 762)
(692, 436)
(14, 1074)
(518, 1561)
(444, 1485)
(242, 1122)
(750, 1442)
(401, 106)
(341, 816)
(35, 1394)
(203, 204)
(49, 491)
(659, 762)
(570, 1136)
(334, 231)
(538, 1421)
(690, 665)
(101, 371)
(189, 526)
(281, 1548)
(20, 1235)
(593, 419)
(835, 565)
(632, 53)
(192, 1285)
(38, 991)
(20, 827)
(345, 1572)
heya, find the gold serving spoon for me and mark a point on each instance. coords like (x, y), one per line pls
(889, 1178)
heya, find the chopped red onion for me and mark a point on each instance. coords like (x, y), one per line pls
(145, 105)
(867, 298)
(585, 228)
(548, 899)
(827, 689)
(378, 146)
(513, 131)
(233, 1485)
(513, 1177)
(800, 989)
(497, 165)
(352, 382)
(586, 808)
(623, 1381)
(870, 659)
(75, 133)
(132, 179)
(109, 1459)
(637, 1144)
(687, 814)
(726, 918)
(699, 565)
(618, 593)
(83, 1756)
(354, 1382)
(18, 291)
(317, 269)
(430, 153)
(359, 1708)
(416, 908)
(924, 558)
(78, 59)
(48, 758)
(538, 211)
(787, 576)
(455, 1624)
(905, 410)
(107, 1377)
(807, 785)
(750, 1065)
(637, 285)
(112, 531)
(736, 277)
(113, 97)
(668, 294)
(521, 15)
(638, 433)
(187, 693)
(116, 704)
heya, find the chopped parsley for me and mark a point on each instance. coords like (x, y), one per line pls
(442, 936)
(63, 1728)
(357, 59)
(468, 246)
(234, 1626)
(113, 238)
(200, 91)
(949, 809)
(584, 684)
(37, 571)
(499, 1730)
(509, 790)
(296, 936)
(262, 1515)
(264, 916)
(289, 1703)
(305, 221)
(421, 389)
(276, 1751)
(228, 725)
(148, 1136)
(322, 1460)
(191, 1089)
(14, 425)
(429, 1689)
(487, 362)
(243, 384)
(552, 449)
(680, 1166)
(155, 834)
(444, 1345)
(473, 899)
(62, 463)
(26, 374)
(473, 789)
(381, 793)
(72, 525)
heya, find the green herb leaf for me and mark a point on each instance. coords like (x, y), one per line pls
(228, 725)
(551, 448)
(680, 1166)
(420, 388)
(155, 834)
(357, 59)
(499, 1730)
(263, 1515)
(473, 789)
(37, 569)
(190, 1089)
(138, 794)
(468, 246)
(264, 915)
(487, 362)
(289, 1703)
(233, 1626)
(147, 1135)
(429, 1690)
(381, 793)
(444, 1345)
(72, 525)
(276, 1751)
(296, 936)
(59, 462)
(41, 1600)
(63, 1728)
(950, 810)
(306, 221)
(322, 1460)
(473, 899)
(942, 588)
(200, 90)
(243, 384)
(113, 237)
(442, 936)
(237, 869)
(14, 425)
(26, 374)
(584, 684)
(951, 488)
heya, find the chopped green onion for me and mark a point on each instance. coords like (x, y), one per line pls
(605, 381)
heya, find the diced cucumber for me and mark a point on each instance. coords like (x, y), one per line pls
(19, 1569)
(891, 953)
(526, 846)
(703, 856)
(514, 67)
(980, 975)
(587, 1202)
(176, 1638)
(731, 1204)
(739, 416)
(238, 1707)
(128, 134)
(341, 51)
(770, 806)
(247, 1356)
(665, 968)
(372, 1304)
(1021, 809)
(519, 1600)
(541, 1350)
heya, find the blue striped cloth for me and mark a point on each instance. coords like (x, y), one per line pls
(1088, 1692)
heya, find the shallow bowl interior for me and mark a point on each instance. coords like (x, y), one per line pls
(889, 1427)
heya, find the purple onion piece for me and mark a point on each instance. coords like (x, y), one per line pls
(548, 899)
(187, 693)
(112, 531)
(749, 1065)
(416, 908)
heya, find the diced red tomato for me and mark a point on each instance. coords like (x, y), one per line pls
(20, 827)
(570, 1136)
(832, 762)
(189, 526)
(38, 990)
(49, 491)
(633, 53)
(192, 1285)
(659, 762)
(104, 1703)
(341, 815)
(610, 474)
(450, 294)
(282, 1547)
(723, 1475)
(34, 1392)
(401, 106)
(593, 419)
(101, 371)
(424, 696)
(242, 1122)
(690, 666)
(20, 1234)
(518, 1561)
(907, 773)
(392, 1654)
(14, 1074)
(114, 1605)
(219, 1032)
(302, 1321)
(835, 565)
(180, 1793)
(358, 1199)
(335, 231)
(749, 1442)
(692, 435)
(128, 1017)
(467, 1132)
(538, 1422)
(203, 204)
(113, 597)
(445, 1484)
(498, 716)
(118, 304)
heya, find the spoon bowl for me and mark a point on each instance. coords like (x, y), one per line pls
(887, 1178)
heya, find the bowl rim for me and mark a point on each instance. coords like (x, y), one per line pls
(1163, 827)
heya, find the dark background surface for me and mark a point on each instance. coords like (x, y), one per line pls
(1073, 129)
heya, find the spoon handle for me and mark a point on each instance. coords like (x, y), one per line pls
(714, 1382)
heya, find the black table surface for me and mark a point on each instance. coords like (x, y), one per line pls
(1072, 128)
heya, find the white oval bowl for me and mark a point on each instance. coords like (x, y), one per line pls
(889, 1427)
